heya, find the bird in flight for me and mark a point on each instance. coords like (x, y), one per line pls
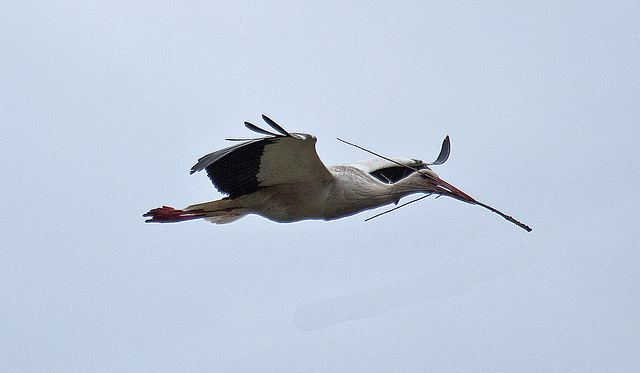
(281, 178)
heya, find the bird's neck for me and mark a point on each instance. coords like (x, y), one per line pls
(355, 191)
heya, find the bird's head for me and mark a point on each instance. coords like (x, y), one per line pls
(406, 176)
(427, 181)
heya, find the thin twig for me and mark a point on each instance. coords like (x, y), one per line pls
(378, 155)
(397, 207)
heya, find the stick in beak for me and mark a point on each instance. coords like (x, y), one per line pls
(451, 191)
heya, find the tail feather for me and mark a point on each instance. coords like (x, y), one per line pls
(221, 211)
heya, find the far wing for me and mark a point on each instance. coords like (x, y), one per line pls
(276, 159)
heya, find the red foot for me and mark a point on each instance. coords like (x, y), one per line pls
(166, 214)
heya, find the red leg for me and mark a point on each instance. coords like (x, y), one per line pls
(166, 214)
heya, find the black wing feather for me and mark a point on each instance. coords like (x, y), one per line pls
(444, 152)
(233, 170)
(275, 125)
(392, 174)
(255, 128)
(235, 173)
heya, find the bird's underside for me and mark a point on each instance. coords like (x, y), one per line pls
(281, 177)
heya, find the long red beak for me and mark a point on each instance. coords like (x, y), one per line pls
(446, 189)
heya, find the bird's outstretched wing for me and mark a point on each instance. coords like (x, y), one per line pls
(278, 158)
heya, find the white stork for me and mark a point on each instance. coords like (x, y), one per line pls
(281, 177)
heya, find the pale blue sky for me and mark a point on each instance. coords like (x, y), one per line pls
(106, 106)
